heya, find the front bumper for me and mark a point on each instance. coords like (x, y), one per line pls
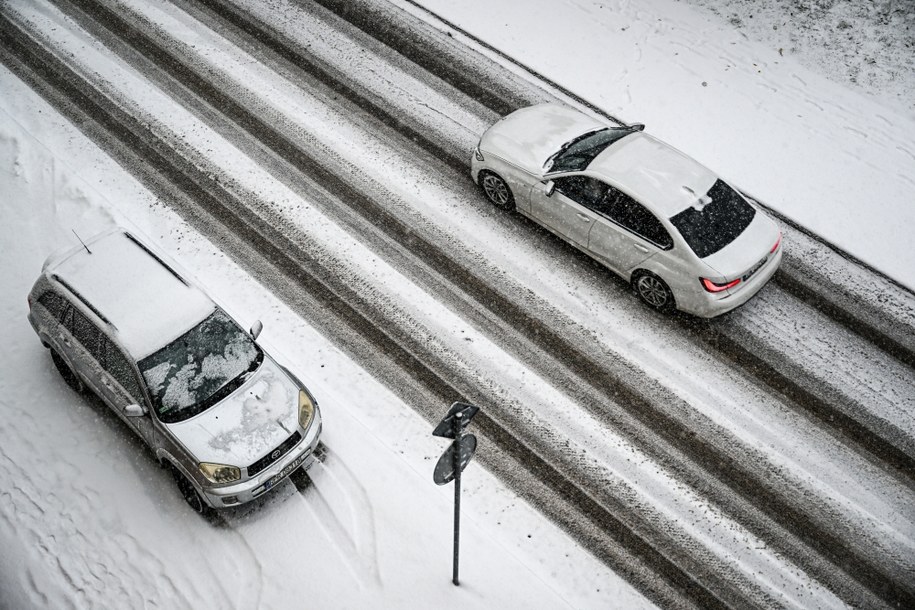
(245, 491)
(475, 166)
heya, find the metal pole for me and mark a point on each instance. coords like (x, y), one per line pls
(457, 494)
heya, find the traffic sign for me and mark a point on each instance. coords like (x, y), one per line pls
(445, 428)
(453, 462)
(444, 469)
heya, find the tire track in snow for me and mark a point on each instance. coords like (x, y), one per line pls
(727, 337)
(862, 310)
(116, 132)
(331, 491)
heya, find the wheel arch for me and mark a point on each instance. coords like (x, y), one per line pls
(641, 270)
(510, 196)
(167, 460)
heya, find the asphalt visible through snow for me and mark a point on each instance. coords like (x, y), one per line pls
(657, 420)
(205, 205)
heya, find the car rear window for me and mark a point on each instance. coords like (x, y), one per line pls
(718, 223)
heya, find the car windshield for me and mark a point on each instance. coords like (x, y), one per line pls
(718, 223)
(576, 155)
(199, 368)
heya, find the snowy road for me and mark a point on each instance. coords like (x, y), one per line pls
(719, 452)
(88, 520)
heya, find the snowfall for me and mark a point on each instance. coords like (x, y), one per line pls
(810, 110)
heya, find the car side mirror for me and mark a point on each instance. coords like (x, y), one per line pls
(256, 329)
(637, 127)
(548, 188)
(134, 411)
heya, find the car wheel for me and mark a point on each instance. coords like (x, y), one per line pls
(652, 290)
(190, 494)
(73, 380)
(497, 190)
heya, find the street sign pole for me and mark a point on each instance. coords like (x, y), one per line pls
(453, 461)
(458, 428)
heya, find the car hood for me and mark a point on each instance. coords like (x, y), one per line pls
(749, 248)
(247, 424)
(528, 137)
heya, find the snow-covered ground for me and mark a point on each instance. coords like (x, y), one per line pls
(869, 46)
(778, 97)
(88, 520)
(373, 526)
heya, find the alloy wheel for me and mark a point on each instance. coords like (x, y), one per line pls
(653, 291)
(496, 189)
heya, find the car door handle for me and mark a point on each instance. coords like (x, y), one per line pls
(583, 217)
(641, 248)
(107, 383)
(64, 340)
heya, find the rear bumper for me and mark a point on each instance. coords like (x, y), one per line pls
(303, 453)
(708, 305)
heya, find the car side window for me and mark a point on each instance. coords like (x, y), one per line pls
(632, 215)
(54, 303)
(583, 190)
(86, 333)
(118, 366)
(67, 319)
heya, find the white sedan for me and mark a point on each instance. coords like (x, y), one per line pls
(677, 232)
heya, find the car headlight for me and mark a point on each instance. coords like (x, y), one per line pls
(219, 473)
(478, 154)
(306, 409)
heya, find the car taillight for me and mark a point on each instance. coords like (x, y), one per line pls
(711, 286)
(29, 298)
(778, 242)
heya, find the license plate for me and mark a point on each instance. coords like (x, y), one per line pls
(285, 472)
(756, 268)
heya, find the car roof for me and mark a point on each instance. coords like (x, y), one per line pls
(133, 289)
(654, 173)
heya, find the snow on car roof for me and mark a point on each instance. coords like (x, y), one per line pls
(654, 173)
(141, 297)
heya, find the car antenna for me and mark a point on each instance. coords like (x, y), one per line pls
(81, 241)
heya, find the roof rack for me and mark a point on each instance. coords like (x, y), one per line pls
(84, 301)
(155, 256)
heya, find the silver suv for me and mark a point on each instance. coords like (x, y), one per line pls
(220, 413)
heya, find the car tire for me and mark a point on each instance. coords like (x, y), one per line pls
(652, 290)
(73, 380)
(496, 190)
(191, 495)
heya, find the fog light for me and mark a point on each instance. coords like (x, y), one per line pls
(228, 500)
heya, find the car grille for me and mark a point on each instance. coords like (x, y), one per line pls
(264, 463)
